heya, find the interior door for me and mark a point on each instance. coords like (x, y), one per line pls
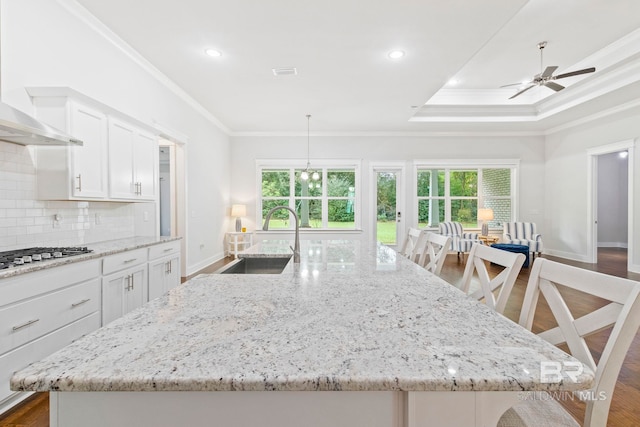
(389, 210)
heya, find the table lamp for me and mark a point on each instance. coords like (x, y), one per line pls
(238, 211)
(485, 215)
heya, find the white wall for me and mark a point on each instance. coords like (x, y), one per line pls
(45, 44)
(566, 176)
(612, 200)
(530, 150)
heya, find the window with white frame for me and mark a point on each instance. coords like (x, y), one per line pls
(455, 193)
(324, 197)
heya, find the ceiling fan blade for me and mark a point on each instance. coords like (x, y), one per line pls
(576, 73)
(554, 86)
(522, 91)
(548, 71)
(517, 84)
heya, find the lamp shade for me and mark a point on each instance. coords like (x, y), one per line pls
(238, 210)
(485, 214)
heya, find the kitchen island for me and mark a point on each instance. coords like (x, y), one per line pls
(354, 335)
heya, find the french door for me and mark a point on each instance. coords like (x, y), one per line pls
(389, 204)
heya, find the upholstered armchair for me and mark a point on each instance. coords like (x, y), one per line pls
(523, 233)
(461, 242)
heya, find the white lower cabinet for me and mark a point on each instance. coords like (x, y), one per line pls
(43, 311)
(164, 268)
(124, 284)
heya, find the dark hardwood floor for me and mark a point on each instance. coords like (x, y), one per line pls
(625, 408)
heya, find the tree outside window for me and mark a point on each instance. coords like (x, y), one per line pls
(326, 200)
(468, 189)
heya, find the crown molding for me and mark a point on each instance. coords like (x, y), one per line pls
(100, 28)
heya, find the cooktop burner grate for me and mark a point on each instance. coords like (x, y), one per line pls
(32, 255)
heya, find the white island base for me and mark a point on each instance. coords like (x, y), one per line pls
(280, 408)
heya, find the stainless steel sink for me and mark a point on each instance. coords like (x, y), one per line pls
(262, 265)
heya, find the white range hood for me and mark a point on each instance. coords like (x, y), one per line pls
(20, 128)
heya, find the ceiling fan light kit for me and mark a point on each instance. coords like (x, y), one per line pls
(546, 77)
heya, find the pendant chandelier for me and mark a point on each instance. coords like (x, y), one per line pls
(306, 173)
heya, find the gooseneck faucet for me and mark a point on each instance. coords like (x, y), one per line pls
(296, 249)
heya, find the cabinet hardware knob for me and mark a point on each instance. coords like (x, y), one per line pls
(24, 325)
(75, 304)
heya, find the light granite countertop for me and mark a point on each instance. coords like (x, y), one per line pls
(99, 250)
(351, 316)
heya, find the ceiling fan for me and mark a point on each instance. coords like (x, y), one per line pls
(546, 77)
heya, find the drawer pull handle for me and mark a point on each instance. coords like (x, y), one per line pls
(24, 325)
(168, 249)
(75, 304)
(127, 261)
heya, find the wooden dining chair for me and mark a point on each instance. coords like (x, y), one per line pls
(621, 313)
(434, 253)
(413, 244)
(476, 263)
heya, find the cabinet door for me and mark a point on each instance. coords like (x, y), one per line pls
(123, 291)
(156, 278)
(135, 294)
(173, 276)
(145, 152)
(164, 275)
(89, 170)
(113, 296)
(121, 140)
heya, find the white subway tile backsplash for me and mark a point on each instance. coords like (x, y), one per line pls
(26, 221)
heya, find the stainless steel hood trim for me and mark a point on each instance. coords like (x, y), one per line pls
(20, 128)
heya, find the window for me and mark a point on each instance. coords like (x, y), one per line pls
(325, 199)
(455, 194)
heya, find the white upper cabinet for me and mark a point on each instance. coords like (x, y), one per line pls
(119, 158)
(73, 173)
(132, 162)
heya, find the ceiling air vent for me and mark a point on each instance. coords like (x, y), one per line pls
(286, 71)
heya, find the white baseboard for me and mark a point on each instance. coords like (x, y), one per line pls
(567, 255)
(634, 268)
(194, 268)
(622, 245)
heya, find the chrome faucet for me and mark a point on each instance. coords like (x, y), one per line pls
(296, 249)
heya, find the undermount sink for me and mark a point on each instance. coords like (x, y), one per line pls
(261, 265)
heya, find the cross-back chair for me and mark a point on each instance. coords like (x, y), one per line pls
(432, 258)
(504, 280)
(622, 312)
(413, 244)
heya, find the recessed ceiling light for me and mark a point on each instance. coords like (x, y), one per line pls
(213, 52)
(396, 54)
(284, 71)
(453, 82)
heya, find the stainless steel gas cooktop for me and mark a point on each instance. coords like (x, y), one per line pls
(32, 255)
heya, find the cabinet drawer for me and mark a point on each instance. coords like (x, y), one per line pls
(164, 249)
(123, 260)
(43, 347)
(38, 316)
(18, 288)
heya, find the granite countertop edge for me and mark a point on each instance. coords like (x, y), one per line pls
(100, 249)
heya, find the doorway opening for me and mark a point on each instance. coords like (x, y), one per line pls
(611, 198)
